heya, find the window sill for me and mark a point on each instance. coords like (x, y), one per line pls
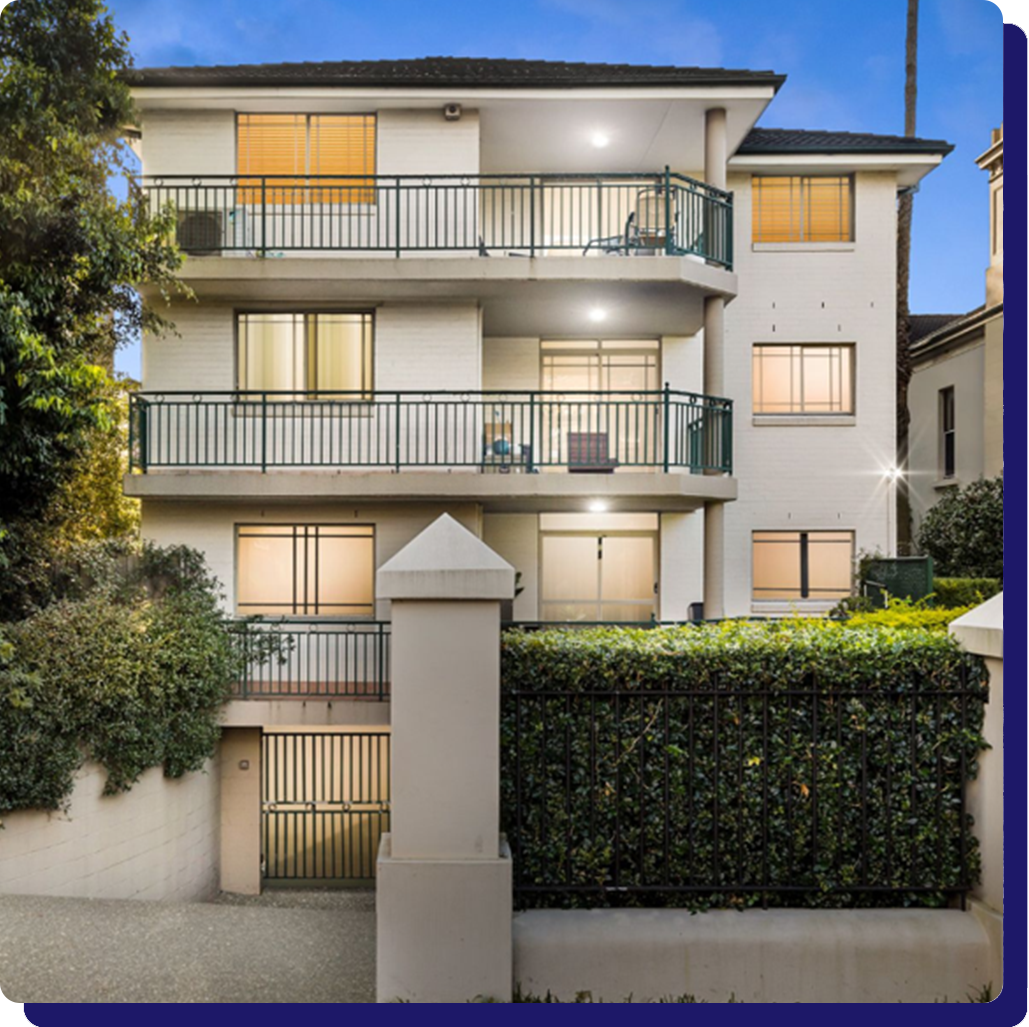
(789, 607)
(803, 247)
(947, 483)
(804, 420)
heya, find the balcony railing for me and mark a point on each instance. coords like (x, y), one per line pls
(526, 432)
(488, 215)
(325, 659)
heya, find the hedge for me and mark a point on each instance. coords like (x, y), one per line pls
(953, 592)
(610, 782)
(132, 674)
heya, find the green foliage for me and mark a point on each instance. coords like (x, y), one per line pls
(964, 531)
(881, 702)
(907, 614)
(950, 593)
(71, 251)
(129, 669)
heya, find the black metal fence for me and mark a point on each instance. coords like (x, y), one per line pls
(325, 804)
(487, 215)
(326, 659)
(488, 431)
(805, 795)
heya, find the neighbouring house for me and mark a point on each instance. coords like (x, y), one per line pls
(641, 348)
(956, 396)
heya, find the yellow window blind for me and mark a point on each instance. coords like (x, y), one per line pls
(802, 208)
(338, 149)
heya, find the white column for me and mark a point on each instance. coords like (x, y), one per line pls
(981, 631)
(443, 895)
(715, 157)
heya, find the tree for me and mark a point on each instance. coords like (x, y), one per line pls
(905, 207)
(964, 531)
(70, 252)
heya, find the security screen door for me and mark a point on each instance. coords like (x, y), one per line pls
(599, 577)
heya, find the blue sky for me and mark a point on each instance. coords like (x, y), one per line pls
(844, 62)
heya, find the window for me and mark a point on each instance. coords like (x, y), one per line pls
(323, 353)
(947, 438)
(314, 570)
(809, 379)
(591, 366)
(339, 148)
(802, 208)
(802, 564)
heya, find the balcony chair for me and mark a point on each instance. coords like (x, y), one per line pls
(588, 453)
(645, 232)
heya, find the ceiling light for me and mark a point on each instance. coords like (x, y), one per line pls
(597, 506)
(598, 314)
(600, 140)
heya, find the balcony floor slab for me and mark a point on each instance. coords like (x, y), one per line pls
(498, 493)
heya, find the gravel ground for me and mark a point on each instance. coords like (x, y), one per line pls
(283, 946)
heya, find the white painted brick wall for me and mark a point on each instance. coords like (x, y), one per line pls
(813, 477)
(510, 364)
(210, 527)
(422, 346)
(158, 841)
(189, 143)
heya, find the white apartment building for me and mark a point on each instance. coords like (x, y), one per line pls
(642, 348)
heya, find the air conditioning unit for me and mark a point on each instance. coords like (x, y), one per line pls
(200, 231)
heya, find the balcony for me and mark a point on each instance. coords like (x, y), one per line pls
(653, 214)
(483, 432)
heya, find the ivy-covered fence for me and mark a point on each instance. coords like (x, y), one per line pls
(791, 764)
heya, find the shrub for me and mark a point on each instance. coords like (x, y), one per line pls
(719, 758)
(964, 531)
(953, 592)
(907, 614)
(131, 674)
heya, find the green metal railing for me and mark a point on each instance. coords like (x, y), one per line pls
(503, 431)
(519, 215)
(323, 659)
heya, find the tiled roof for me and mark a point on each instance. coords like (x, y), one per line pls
(471, 72)
(925, 324)
(801, 140)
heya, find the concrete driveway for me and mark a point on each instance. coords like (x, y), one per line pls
(286, 946)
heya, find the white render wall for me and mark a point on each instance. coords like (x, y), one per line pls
(210, 527)
(189, 142)
(811, 476)
(157, 841)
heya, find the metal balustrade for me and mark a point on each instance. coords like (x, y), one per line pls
(508, 431)
(487, 215)
(324, 659)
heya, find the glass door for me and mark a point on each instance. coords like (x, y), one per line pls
(601, 410)
(599, 577)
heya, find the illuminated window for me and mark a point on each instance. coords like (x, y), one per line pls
(329, 354)
(337, 148)
(803, 564)
(314, 570)
(808, 379)
(802, 208)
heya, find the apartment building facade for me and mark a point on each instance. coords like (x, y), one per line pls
(640, 347)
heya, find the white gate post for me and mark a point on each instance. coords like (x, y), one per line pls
(981, 631)
(444, 876)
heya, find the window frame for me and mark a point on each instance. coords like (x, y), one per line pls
(368, 193)
(239, 529)
(798, 411)
(310, 394)
(804, 556)
(803, 236)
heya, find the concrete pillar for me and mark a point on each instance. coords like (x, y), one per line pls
(714, 513)
(241, 811)
(443, 898)
(981, 631)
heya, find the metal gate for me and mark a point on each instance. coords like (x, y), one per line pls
(325, 804)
